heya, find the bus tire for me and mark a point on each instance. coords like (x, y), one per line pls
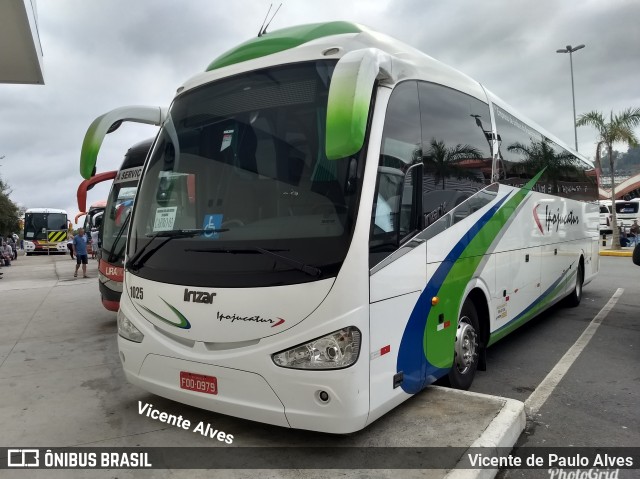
(636, 255)
(575, 297)
(465, 360)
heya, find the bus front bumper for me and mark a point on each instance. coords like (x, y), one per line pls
(240, 393)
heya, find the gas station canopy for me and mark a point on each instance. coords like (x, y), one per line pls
(20, 49)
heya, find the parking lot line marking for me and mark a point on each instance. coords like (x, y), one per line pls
(539, 396)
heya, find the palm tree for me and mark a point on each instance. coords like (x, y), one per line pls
(445, 162)
(618, 129)
(540, 155)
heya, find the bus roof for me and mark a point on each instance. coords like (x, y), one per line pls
(136, 155)
(332, 40)
(45, 210)
(102, 204)
(327, 41)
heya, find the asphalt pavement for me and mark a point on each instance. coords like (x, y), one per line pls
(61, 385)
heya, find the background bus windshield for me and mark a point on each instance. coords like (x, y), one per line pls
(118, 209)
(36, 225)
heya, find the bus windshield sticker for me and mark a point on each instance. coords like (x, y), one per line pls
(165, 218)
(212, 224)
(227, 136)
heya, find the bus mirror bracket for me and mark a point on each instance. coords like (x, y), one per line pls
(350, 97)
(109, 122)
(86, 185)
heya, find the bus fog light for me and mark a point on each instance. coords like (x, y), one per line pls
(127, 329)
(339, 349)
(323, 396)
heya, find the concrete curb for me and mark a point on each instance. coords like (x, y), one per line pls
(502, 432)
(616, 253)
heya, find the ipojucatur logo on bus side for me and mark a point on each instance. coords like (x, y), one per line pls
(554, 220)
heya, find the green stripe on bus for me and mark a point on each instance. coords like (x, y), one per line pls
(281, 40)
(438, 345)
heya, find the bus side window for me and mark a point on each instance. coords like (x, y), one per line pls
(396, 212)
(457, 136)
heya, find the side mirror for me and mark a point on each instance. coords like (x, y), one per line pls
(349, 99)
(109, 122)
(86, 185)
(636, 254)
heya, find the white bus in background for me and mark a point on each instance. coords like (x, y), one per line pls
(627, 211)
(322, 230)
(45, 230)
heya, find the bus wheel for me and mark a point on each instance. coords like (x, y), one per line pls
(465, 361)
(575, 297)
(636, 255)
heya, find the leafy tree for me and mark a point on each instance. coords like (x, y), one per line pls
(444, 162)
(9, 214)
(630, 161)
(619, 128)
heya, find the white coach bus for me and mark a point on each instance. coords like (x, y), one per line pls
(330, 220)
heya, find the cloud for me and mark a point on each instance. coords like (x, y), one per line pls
(103, 54)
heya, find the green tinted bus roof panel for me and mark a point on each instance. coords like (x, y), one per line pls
(280, 40)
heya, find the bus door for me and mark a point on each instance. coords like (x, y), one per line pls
(397, 260)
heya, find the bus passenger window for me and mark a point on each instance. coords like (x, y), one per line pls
(457, 136)
(396, 213)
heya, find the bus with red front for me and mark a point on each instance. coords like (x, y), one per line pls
(115, 224)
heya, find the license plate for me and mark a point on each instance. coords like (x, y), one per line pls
(198, 382)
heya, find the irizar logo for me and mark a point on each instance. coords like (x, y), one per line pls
(198, 296)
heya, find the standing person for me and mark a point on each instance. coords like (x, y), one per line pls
(94, 243)
(634, 231)
(80, 250)
(70, 244)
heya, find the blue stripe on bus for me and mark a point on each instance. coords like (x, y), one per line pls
(411, 351)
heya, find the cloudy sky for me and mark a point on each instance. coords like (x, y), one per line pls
(103, 54)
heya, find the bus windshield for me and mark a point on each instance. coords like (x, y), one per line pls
(241, 161)
(118, 209)
(36, 225)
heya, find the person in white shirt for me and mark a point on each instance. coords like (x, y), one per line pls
(94, 243)
(70, 244)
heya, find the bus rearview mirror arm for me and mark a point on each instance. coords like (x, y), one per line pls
(350, 97)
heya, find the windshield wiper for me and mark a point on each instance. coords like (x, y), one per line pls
(137, 260)
(299, 265)
(112, 256)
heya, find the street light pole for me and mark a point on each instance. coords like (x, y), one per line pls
(570, 51)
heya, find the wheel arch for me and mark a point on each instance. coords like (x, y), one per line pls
(481, 304)
(478, 292)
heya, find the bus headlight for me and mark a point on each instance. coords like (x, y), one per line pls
(339, 349)
(127, 329)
